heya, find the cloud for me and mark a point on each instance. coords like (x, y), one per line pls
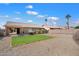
(17, 18)
(77, 22)
(1, 16)
(18, 12)
(32, 12)
(40, 16)
(54, 23)
(6, 16)
(29, 6)
(53, 18)
(29, 21)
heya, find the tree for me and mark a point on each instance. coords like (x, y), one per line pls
(46, 21)
(68, 18)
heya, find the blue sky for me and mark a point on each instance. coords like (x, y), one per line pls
(37, 12)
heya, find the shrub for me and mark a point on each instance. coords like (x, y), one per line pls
(37, 31)
(77, 27)
(76, 36)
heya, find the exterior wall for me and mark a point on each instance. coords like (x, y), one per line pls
(7, 31)
(26, 30)
(22, 30)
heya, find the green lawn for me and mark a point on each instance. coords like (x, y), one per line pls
(19, 40)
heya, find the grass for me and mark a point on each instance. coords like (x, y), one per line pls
(19, 40)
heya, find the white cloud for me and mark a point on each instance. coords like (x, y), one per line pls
(53, 18)
(6, 16)
(1, 16)
(29, 21)
(77, 22)
(29, 6)
(18, 12)
(32, 12)
(54, 23)
(40, 16)
(17, 18)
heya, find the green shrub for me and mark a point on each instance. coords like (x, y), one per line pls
(77, 27)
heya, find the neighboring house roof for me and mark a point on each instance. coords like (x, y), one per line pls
(47, 27)
(19, 24)
(54, 27)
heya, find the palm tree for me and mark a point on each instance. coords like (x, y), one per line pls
(68, 18)
(46, 21)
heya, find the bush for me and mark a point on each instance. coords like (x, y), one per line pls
(76, 36)
(41, 31)
(37, 32)
(77, 27)
(46, 31)
(31, 33)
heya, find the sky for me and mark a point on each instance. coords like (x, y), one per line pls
(37, 13)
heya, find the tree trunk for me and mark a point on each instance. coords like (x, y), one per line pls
(68, 27)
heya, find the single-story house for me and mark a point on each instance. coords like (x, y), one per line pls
(21, 28)
(51, 27)
(55, 27)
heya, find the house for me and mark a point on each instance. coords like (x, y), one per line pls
(51, 27)
(21, 28)
(55, 27)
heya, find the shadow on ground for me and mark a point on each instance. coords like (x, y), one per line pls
(1, 37)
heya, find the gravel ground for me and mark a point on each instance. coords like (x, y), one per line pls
(60, 45)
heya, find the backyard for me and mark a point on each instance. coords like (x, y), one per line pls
(19, 40)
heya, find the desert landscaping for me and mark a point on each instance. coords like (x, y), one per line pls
(62, 44)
